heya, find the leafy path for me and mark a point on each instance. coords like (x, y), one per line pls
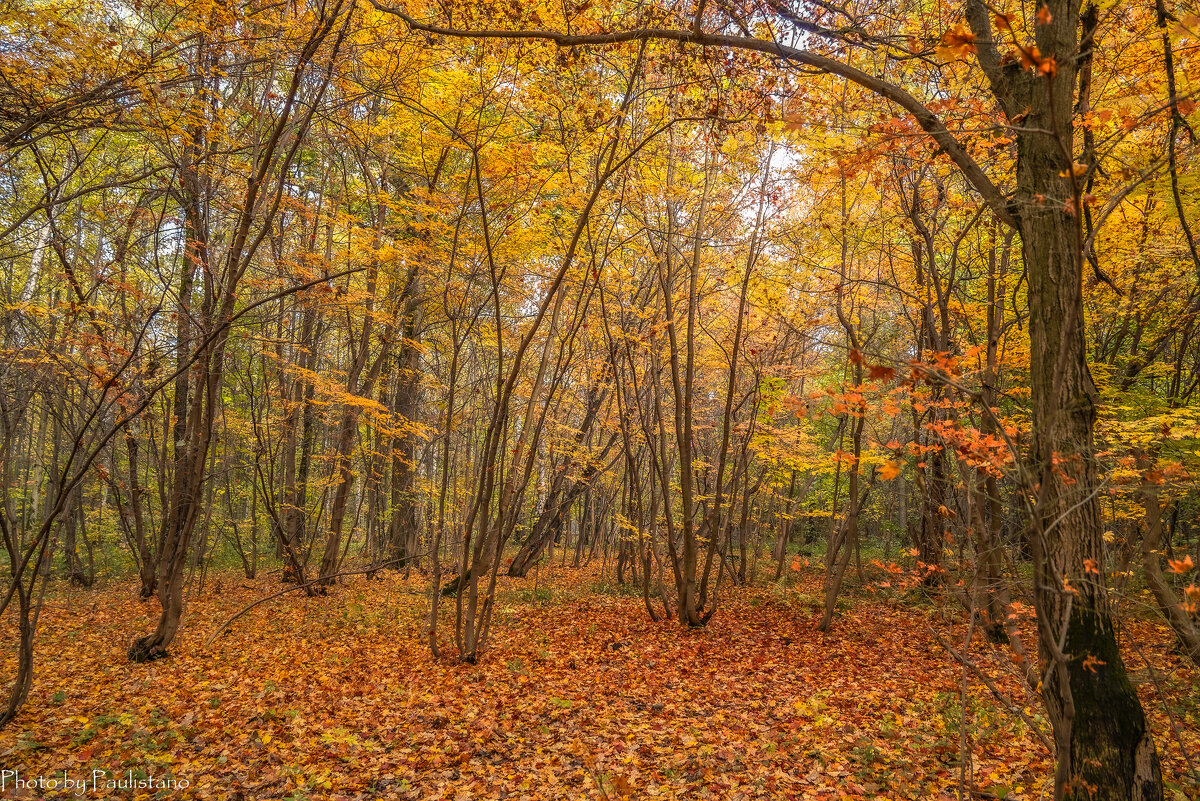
(580, 696)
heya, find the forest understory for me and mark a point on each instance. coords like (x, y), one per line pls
(728, 294)
(581, 696)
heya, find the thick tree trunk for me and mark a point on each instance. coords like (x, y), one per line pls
(1104, 747)
(1105, 750)
(183, 511)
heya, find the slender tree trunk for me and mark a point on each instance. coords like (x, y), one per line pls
(1182, 623)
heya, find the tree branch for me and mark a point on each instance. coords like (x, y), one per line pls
(929, 122)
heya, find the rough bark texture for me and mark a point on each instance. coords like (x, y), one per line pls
(1105, 750)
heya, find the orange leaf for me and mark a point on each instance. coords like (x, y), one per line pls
(879, 371)
(1030, 56)
(956, 42)
(1180, 565)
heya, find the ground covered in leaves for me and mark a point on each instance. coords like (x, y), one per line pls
(579, 696)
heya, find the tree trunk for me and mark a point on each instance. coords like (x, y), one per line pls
(1105, 750)
(1181, 622)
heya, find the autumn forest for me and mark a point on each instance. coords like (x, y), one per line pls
(695, 399)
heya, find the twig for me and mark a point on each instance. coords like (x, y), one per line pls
(1000, 696)
(1162, 697)
(286, 590)
(964, 751)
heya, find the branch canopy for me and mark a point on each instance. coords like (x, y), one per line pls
(929, 122)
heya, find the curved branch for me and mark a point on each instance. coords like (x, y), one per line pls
(929, 122)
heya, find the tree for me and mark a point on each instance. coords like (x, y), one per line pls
(198, 391)
(1104, 747)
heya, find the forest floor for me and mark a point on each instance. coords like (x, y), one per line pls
(580, 695)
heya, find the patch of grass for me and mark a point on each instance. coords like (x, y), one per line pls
(27, 742)
(626, 590)
(93, 727)
(540, 596)
(869, 760)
